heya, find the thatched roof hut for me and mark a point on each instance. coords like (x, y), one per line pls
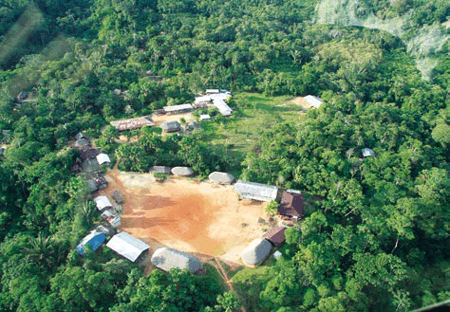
(221, 177)
(182, 171)
(256, 252)
(160, 169)
(117, 196)
(171, 126)
(105, 229)
(168, 258)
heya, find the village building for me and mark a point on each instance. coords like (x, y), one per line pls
(102, 202)
(367, 152)
(178, 109)
(133, 123)
(89, 152)
(256, 191)
(81, 143)
(171, 126)
(313, 100)
(276, 236)
(192, 126)
(105, 229)
(205, 117)
(81, 135)
(223, 107)
(168, 258)
(291, 204)
(277, 254)
(256, 252)
(94, 239)
(127, 246)
(102, 158)
(202, 101)
(96, 182)
(117, 196)
(212, 91)
(160, 170)
(221, 178)
(182, 171)
(112, 217)
(90, 166)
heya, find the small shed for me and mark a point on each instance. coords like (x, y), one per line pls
(171, 126)
(182, 171)
(291, 204)
(103, 158)
(192, 126)
(256, 252)
(205, 117)
(221, 177)
(367, 152)
(276, 236)
(127, 246)
(313, 100)
(117, 196)
(168, 258)
(257, 191)
(105, 229)
(102, 202)
(277, 254)
(112, 217)
(95, 239)
(160, 169)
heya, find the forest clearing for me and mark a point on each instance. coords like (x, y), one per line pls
(195, 217)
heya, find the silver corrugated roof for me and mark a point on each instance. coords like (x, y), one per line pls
(262, 192)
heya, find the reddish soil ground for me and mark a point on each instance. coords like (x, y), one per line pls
(190, 216)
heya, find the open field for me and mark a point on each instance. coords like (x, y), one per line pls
(253, 112)
(196, 217)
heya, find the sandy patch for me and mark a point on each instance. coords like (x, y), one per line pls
(163, 118)
(300, 101)
(190, 216)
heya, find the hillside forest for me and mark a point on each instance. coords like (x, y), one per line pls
(376, 236)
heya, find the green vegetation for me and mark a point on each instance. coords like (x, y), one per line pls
(377, 234)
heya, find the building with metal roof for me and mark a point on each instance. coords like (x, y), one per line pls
(127, 246)
(223, 107)
(276, 235)
(133, 123)
(178, 109)
(102, 202)
(168, 258)
(257, 191)
(367, 152)
(313, 100)
(112, 217)
(205, 117)
(256, 252)
(103, 158)
(94, 239)
(171, 126)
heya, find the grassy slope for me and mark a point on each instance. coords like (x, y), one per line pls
(253, 113)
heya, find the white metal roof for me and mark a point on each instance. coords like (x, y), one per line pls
(174, 108)
(222, 96)
(102, 202)
(103, 158)
(127, 245)
(223, 107)
(277, 254)
(367, 152)
(313, 100)
(205, 117)
(212, 91)
(202, 99)
(262, 192)
(113, 218)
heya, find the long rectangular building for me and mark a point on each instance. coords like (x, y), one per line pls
(132, 123)
(257, 191)
(178, 109)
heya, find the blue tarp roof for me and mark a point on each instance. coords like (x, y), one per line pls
(95, 239)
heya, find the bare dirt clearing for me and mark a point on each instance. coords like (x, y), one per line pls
(158, 120)
(300, 101)
(190, 216)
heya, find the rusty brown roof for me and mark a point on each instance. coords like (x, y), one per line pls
(291, 204)
(276, 235)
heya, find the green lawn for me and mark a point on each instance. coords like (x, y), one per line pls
(240, 133)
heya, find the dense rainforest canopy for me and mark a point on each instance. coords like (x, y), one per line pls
(376, 238)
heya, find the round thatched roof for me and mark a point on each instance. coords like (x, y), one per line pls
(256, 252)
(221, 177)
(168, 258)
(182, 171)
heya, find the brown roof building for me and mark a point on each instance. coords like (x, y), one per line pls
(276, 235)
(291, 204)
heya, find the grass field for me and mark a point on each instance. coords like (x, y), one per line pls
(240, 133)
